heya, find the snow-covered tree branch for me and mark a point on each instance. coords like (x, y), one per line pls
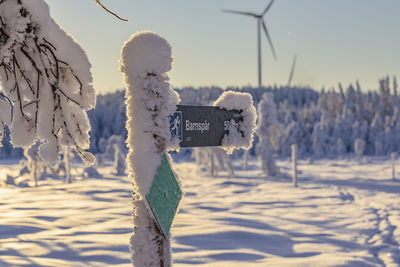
(46, 81)
(108, 10)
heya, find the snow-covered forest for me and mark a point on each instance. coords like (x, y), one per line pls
(323, 123)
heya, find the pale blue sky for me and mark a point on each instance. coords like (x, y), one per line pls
(336, 40)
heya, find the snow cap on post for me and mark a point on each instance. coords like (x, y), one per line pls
(148, 53)
(240, 134)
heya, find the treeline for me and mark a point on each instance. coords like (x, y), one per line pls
(323, 123)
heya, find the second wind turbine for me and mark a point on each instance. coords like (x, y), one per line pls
(260, 24)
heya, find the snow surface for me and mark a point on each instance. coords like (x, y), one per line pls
(344, 213)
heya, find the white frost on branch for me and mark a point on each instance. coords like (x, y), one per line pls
(241, 134)
(46, 80)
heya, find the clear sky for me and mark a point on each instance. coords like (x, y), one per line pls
(335, 40)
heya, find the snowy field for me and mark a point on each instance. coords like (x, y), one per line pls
(344, 213)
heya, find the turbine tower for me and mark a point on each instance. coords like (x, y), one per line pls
(260, 24)
(292, 70)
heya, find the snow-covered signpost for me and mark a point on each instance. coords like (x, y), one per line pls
(145, 60)
(156, 124)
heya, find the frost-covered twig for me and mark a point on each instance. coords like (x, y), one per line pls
(46, 79)
(109, 11)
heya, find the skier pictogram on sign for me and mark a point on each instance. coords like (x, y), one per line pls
(175, 123)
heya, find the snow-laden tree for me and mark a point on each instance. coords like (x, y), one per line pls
(292, 135)
(200, 156)
(218, 160)
(266, 131)
(91, 172)
(319, 140)
(67, 156)
(359, 147)
(212, 163)
(340, 148)
(119, 161)
(34, 163)
(113, 142)
(359, 131)
(46, 81)
(376, 137)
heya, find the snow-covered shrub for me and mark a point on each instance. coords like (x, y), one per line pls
(10, 180)
(145, 60)
(119, 161)
(246, 156)
(100, 159)
(91, 172)
(212, 166)
(340, 148)
(102, 145)
(359, 147)
(113, 142)
(319, 140)
(68, 155)
(35, 164)
(107, 149)
(23, 167)
(46, 81)
(267, 124)
(214, 159)
(224, 162)
(200, 156)
(378, 145)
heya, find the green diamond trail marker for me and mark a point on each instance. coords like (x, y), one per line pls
(164, 196)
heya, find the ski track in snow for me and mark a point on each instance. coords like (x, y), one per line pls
(344, 213)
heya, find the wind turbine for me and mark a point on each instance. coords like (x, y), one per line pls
(292, 70)
(260, 24)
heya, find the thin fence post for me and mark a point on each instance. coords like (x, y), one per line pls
(294, 164)
(67, 165)
(393, 157)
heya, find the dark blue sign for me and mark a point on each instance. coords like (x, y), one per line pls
(176, 126)
(198, 126)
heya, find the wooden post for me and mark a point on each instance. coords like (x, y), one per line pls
(35, 167)
(393, 157)
(294, 164)
(213, 168)
(145, 60)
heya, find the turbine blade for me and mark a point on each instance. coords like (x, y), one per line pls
(269, 39)
(292, 70)
(268, 7)
(239, 12)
